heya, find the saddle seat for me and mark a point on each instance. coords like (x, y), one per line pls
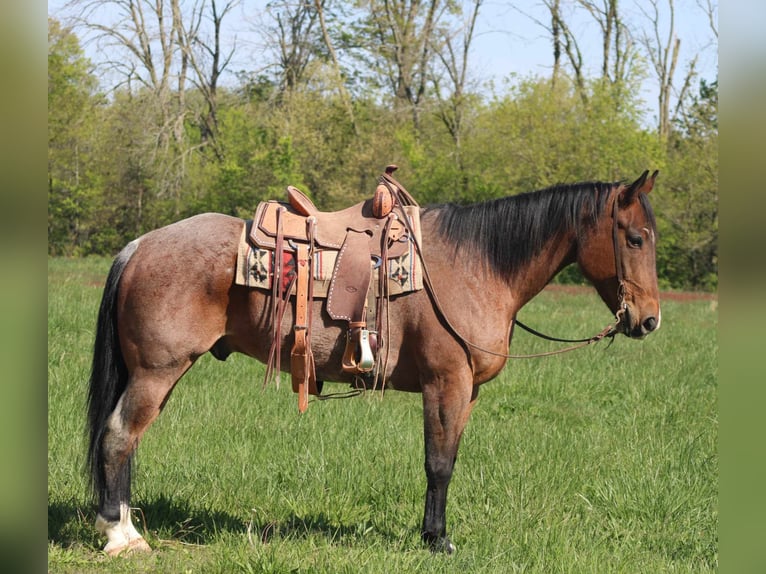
(331, 227)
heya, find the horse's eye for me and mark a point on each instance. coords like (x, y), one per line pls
(635, 240)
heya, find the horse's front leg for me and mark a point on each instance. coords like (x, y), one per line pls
(447, 404)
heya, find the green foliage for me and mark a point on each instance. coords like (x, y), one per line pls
(117, 171)
(539, 135)
(688, 253)
(70, 83)
(73, 187)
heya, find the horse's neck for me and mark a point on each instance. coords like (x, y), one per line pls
(530, 280)
(481, 304)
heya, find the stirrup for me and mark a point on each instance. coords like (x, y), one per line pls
(358, 343)
(366, 360)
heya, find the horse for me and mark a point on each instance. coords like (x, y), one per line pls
(170, 297)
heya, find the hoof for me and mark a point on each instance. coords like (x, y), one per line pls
(439, 544)
(122, 537)
(135, 546)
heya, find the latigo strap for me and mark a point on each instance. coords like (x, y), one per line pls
(302, 368)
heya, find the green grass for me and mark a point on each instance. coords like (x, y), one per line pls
(600, 460)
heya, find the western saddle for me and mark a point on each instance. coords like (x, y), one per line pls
(365, 236)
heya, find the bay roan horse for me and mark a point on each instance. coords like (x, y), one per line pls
(170, 297)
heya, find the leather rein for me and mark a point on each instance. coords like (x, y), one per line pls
(607, 332)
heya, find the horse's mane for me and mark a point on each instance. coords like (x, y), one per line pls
(508, 232)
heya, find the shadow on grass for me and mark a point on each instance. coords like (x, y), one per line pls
(72, 524)
(302, 527)
(69, 524)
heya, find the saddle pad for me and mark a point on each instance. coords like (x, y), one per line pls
(255, 269)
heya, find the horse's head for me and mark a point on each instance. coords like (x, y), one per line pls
(618, 257)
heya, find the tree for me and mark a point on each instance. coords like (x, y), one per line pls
(711, 10)
(562, 37)
(663, 57)
(156, 49)
(71, 101)
(688, 253)
(208, 61)
(144, 42)
(615, 40)
(453, 104)
(293, 34)
(401, 38)
(345, 96)
(617, 52)
(536, 136)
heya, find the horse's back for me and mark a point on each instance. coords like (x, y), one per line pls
(196, 231)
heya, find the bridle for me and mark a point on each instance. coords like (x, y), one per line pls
(622, 307)
(610, 330)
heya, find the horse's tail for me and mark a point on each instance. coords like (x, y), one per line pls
(109, 375)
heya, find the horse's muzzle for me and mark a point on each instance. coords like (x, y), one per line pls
(640, 328)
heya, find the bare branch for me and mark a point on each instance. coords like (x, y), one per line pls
(711, 9)
(664, 58)
(452, 109)
(293, 35)
(561, 32)
(319, 5)
(690, 75)
(404, 32)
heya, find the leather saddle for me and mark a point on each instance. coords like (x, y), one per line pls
(365, 236)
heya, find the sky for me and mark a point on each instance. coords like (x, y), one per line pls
(508, 40)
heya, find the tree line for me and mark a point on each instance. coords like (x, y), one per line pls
(339, 90)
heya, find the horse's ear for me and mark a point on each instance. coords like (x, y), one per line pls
(649, 185)
(643, 184)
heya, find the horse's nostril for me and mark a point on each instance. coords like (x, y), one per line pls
(650, 324)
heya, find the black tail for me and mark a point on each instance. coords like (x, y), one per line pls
(108, 376)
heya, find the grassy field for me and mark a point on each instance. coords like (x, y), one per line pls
(600, 460)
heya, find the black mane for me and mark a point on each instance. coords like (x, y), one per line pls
(508, 232)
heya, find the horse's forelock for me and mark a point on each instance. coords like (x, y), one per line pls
(648, 211)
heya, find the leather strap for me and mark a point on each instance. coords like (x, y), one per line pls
(618, 261)
(401, 195)
(301, 363)
(277, 304)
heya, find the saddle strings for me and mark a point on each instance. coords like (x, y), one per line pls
(384, 307)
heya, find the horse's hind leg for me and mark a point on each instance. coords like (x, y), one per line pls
(143, 399)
